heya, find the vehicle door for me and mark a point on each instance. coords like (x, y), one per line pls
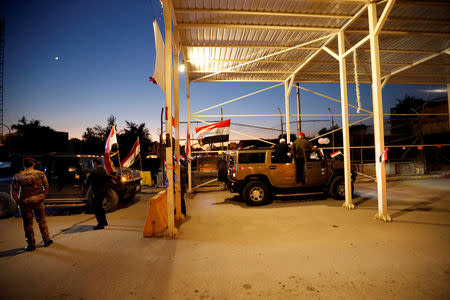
(316, 173)
(64, 178)
(282, 174)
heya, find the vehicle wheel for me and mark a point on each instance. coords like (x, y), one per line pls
(337, 188)
(256, 193)
(8, 207)
(221, 170)
(110, 201)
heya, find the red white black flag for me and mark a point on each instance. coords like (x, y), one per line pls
(383, 156)
(131, 157)
(110, 142)
(213, 133)
(337, 153)
(173, 119)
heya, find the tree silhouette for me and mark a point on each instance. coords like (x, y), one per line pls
(94, 138)
(128, 136)
(32, 137)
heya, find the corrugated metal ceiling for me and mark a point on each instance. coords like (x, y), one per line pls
(218, 35)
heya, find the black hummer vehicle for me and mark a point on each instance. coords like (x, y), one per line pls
(256, 176)
(66, 174)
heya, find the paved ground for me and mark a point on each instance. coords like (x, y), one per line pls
(302, 248)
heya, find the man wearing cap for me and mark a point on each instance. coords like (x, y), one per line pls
(29, 189)
(300, 148)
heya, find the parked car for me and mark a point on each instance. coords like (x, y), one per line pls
(257, 177)
(66, 174)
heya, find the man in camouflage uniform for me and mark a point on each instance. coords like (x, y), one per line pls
(28, 189)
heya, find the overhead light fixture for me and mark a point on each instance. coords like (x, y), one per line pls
(181, 68)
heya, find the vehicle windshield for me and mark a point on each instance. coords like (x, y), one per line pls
(88, 162)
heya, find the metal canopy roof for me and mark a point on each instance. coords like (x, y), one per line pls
(217, 35)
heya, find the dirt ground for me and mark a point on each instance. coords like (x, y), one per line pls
(295, 248)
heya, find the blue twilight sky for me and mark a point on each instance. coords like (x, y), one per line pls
(106, 53)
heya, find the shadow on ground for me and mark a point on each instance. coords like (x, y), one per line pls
(283, 201)
(16, 251)
(78, 229)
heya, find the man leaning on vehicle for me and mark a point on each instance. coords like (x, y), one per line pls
(29, 189)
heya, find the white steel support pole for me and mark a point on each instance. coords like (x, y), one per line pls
(188, 95)
(287, 91)
(299, 124)
(286, 108)
(378, 125)
(176, 83)
(345, 131)
(168, 87)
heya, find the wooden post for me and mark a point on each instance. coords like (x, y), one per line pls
(188, 95)
(378, 124)
(345, 131)
(178, 215)
(168, 87)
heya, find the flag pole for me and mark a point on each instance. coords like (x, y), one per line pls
(120, 164)
(140, 155)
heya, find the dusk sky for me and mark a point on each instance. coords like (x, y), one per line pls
(72, 64)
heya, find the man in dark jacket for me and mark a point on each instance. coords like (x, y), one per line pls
(301, 149)
(29, 189)
(281, 153)
(183, 185)
(97, 180)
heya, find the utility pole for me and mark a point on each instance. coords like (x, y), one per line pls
(9, 138)
(281, 116)
(332, 128)
(299, 123)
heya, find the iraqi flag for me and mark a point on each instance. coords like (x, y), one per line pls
(158, 75)
(131, 157)
(213, 133)
(173, 119)
(186, 146)
(335, 154)
(110, 151)
(383, 156)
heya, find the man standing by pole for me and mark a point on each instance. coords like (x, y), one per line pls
(29, 189)
(97, 180)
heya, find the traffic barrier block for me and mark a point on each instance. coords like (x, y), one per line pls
(156, 220)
